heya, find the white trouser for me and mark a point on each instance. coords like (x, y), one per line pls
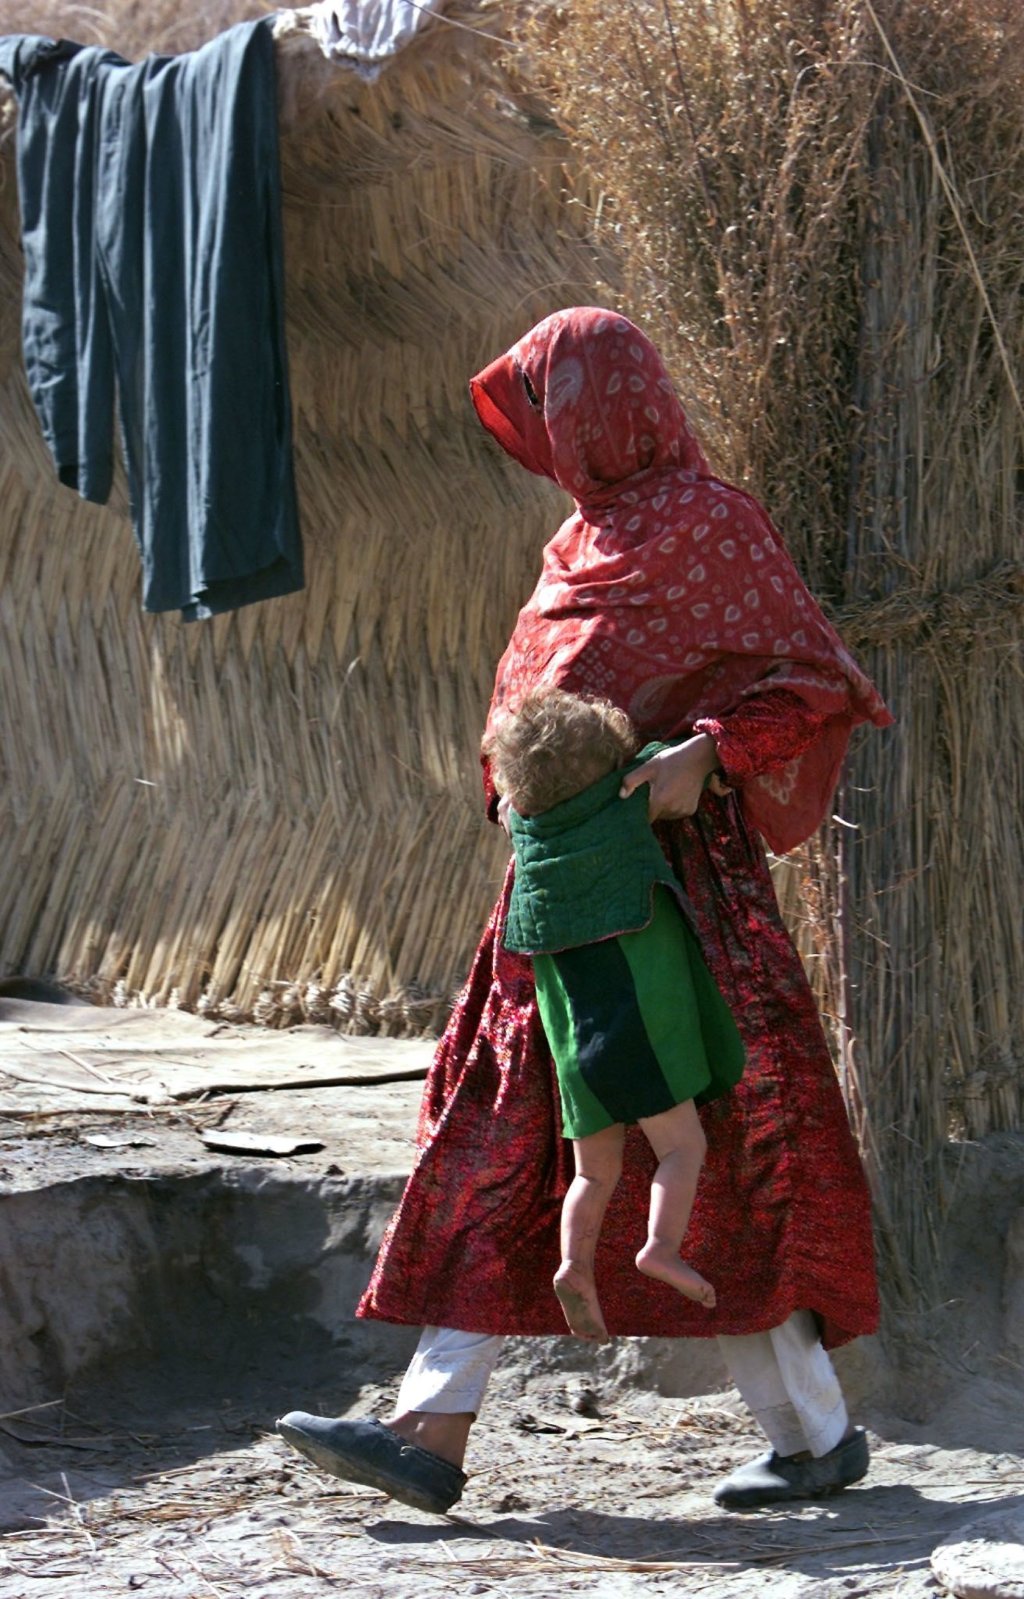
(784, 1376)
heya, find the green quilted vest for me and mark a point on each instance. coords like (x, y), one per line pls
(586, 869)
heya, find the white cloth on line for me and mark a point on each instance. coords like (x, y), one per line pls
(365, 34)
(784, 1376)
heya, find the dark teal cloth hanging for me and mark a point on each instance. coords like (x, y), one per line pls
(151, 225)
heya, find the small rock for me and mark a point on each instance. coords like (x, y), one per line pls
(511, 1502)
(584, 1402)
(985, 1559)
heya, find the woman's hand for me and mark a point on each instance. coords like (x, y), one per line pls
(677, 777)
(504, 806)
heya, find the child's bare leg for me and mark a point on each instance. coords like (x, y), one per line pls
(598, 1165)
(677, 1139)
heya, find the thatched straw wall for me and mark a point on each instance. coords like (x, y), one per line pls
(824, 206)
(821, 206)
(277, 813)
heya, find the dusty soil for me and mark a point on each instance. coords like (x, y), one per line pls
(207, 1502)
(153, 1468)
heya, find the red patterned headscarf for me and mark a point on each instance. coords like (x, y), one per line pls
(667, 591)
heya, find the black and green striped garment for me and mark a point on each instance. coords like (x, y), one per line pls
(636, 1023)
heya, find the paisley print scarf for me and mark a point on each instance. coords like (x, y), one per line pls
(667, 591)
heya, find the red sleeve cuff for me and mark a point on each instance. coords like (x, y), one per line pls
(763, 733)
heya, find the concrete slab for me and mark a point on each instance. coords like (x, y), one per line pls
(54, 1057)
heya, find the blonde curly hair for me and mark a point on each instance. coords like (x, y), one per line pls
(555, 745)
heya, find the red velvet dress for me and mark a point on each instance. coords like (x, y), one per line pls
(782, 1216)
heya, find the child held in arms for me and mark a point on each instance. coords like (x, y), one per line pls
(637, 1027)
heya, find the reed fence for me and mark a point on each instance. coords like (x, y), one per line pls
(277, 814)
(817, 208)
(821, 204)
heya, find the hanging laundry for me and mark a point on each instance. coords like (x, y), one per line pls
(151, 225)
(365, 34)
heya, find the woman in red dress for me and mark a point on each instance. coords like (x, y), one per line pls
(669, 592)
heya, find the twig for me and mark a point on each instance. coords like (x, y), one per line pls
(58, 1082)
(94, 1071)
(60, 1441)
(78, 1514)
(213, 1586)
(47, 1404)
(578, 1561)
(286, 1536)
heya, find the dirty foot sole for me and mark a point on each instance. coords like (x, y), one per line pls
(683, 1278)
(578, 1299)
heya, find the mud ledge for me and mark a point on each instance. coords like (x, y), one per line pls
(161, 1303)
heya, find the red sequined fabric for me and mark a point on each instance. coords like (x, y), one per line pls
(782, 1218)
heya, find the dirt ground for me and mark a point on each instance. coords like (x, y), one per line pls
(613, 1503)
(156, 1471)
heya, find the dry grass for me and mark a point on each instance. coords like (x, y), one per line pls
(278, 814)
(823, 210)
(820, 208)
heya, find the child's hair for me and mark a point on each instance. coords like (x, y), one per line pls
(555, 745)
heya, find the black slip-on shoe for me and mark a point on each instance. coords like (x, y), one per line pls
(370, 1453)
(772, 1478)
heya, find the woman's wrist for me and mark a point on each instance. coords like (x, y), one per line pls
(703, 753)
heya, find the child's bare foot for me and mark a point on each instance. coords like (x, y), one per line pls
(577, 1295)
(658, 1261)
